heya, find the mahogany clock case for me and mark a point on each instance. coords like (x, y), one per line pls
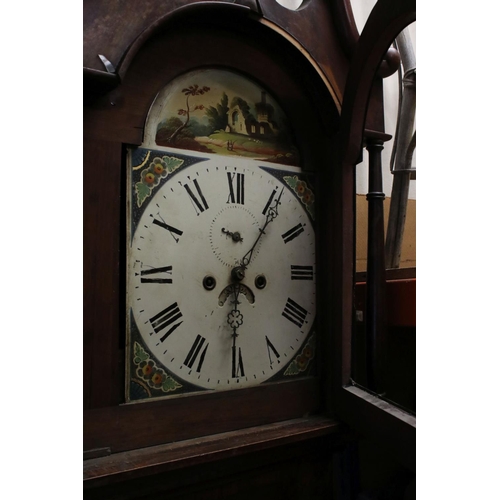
(114, 122)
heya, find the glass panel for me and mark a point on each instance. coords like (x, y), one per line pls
(407, 258)
(397, 342)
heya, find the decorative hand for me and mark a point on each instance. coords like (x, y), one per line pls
(235, 236)
(234, 317)
(235, 320)
(238, 273)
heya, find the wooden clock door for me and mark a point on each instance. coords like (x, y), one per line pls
(218, 49)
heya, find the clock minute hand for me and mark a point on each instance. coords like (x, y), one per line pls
(238, 272)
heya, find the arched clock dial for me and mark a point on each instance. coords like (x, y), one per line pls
(221, 281)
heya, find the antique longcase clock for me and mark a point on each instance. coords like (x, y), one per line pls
(219, 221)
(221, 257)
(220, 139)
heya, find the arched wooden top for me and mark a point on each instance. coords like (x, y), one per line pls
(180, 11)
(118, 30)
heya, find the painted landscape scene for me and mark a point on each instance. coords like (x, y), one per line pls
(218, 111)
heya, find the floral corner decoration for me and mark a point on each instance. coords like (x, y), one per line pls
(306, 196)
(151, 176)
(154, 376)
(301, 362)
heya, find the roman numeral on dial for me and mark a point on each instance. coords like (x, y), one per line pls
(236, 195)
(238, 370)
(301, 272)
(293, 233)
(272, 350)
(294, 313)
(195, 351)
(172, 230)
(166, 318)
(198, 204)
(158, 270)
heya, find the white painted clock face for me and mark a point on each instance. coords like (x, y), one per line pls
(201, 321)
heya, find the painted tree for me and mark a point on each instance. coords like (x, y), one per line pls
(217, 116)
(191, 91)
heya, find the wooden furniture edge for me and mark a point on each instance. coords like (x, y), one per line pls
(372, 417)
(403, 273)
(100, 79)
(162, 458)
(133, 426)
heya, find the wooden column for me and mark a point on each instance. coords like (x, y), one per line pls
(375, 279)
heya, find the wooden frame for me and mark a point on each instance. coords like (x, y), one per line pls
(222, 37)
(265, 40)
(390, 426)
(174, 456)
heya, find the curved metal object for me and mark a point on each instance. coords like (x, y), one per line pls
(107, 64)
(405, 126)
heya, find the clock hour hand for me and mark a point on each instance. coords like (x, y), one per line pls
(236, 236)
(238, 272)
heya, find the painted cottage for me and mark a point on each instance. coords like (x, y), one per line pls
(264, 126)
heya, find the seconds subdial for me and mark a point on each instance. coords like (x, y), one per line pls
(230, 229)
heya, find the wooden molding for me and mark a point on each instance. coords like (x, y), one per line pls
(137, 425)
(403, 273)
(163, 458)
